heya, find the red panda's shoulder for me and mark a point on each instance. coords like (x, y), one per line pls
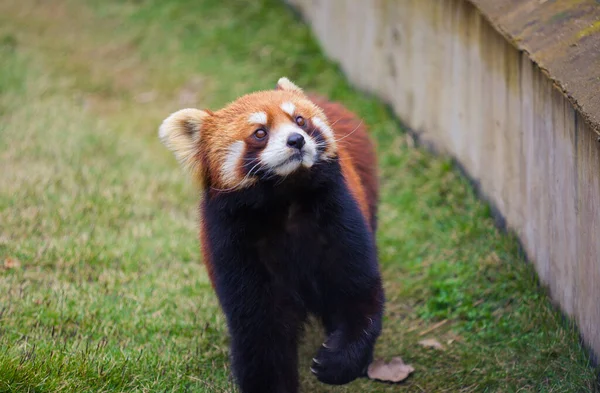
(357, 154)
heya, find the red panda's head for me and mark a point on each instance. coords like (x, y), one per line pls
(260, 135)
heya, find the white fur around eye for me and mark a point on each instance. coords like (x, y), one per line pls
(288, 108)
(323, 127)
(258, 118)
(325, 130)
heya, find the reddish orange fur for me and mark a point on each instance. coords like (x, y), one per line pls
(206, 254)
(225, 126)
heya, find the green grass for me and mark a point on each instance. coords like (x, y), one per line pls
(108, 294)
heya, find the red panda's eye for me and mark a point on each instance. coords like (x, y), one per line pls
(300, 121)
(260, 133)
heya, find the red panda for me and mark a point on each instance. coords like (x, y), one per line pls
(288, 220)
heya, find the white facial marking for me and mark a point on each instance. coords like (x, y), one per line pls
(277, 153)
(258, 118)
(323, 127)
(231, 164)
(325, 130)
(288, 108)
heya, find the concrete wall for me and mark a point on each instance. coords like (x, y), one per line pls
(467, 92)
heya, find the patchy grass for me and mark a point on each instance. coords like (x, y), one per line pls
(102, 289)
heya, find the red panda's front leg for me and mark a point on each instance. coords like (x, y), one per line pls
(264, 329)
(353, 296)
(352, 333)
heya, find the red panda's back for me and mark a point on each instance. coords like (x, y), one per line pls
(357, 155)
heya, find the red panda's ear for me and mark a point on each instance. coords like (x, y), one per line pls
(285, 84)
(181, 133)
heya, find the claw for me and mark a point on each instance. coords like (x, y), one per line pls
(312, 370)
(316, 361)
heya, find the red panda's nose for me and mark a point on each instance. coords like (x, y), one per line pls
(295, 140)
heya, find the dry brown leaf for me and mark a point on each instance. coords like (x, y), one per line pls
(11, 263)
(431, 343)
(394, 371)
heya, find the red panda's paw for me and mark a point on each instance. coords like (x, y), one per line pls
(339, 362)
